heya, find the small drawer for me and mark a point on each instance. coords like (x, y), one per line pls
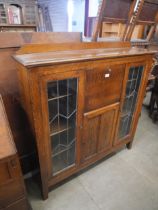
(9, 170)
(103, 86)
(19, 205)
(5, 175)
(11, 192)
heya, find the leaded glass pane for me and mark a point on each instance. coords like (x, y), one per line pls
(62, 105)
(124, 126)
(132, 89)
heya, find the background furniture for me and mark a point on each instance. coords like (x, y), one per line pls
(83, 102)
(116, 30)
(146, 15)
(153, 106)
(109, 12)
(136, 22)
(18, 15)
(12, 189)
(9, 44)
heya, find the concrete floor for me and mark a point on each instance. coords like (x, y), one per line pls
(126, 181)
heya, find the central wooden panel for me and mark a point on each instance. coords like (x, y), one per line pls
(103, 85)
(98, 131)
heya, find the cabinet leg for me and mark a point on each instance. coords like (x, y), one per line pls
(129, 145)
(45, 193)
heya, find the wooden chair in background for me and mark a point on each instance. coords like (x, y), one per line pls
(128, 20)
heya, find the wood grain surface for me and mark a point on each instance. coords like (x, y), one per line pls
(37, 59)
(7, 147)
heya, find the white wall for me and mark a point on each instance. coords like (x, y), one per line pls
(59, 15)
(93, 8)
(78, 17)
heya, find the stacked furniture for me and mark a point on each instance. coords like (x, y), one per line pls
(18, 15)
(12, 189)
(136, 22)
(83, 101)
(148, 18)
(110, 22)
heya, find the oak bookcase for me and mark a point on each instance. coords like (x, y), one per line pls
(83, 101)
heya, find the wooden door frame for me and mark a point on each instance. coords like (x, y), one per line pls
(139, 102)
(48, 177)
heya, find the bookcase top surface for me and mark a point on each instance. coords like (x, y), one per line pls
(66, 56)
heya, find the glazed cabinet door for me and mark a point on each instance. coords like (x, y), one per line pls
(98, 131)
(64, 110)
(130, 101)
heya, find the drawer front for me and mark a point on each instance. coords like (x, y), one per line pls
(19, 205)
(5, 175)
(9, 170)
(103, 86)
(11, 192)
(11, 182)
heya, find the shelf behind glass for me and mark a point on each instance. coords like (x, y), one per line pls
(64, 157)
(57, 97)
(62, 105)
